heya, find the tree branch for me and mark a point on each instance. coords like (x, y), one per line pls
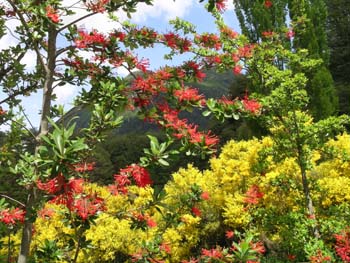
(12, 199)
(24, 23)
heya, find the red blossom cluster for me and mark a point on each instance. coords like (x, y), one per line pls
(268, 34)
(342, 246)
(212, 253)
(176, 42)
(11, 216)
(84, 167)
(253, 195)
(189, 95)
(144, 218)
(52, 14)
(46, 213)
(320, 258)
(221, 5)
(93, 38)
(98, 6)
(228, 32)
(87, 205)
(237, 69)
(258, 247)
(184, 130)
(251, 105)
(290, 34)
(71, 194)
(205, 195)
(268, 3)
(132, 173)
(209, 41)
(246, 51)
(196, 211)
(194, 69)
(217, 253)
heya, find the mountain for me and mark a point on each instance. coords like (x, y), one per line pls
(215, 85)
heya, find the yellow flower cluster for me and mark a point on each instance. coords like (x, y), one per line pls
(232, 194)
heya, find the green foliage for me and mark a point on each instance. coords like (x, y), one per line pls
(308, 22)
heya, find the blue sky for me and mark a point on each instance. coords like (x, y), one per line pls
(156, 16)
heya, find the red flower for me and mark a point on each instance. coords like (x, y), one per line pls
(268, 3)
(291, 257)
(258, 247)
(86, 39)
(143, 65)
(11, 216)
(46, 213)
(165, 247)
(83, 167)
(237, 69)
(151, 223)
(229, 234)
(221, 5)
(205, 196)
(319, 258)
(253, 195)
(98, 6)
(229, 32)
(139, 174)
(87, 206)
(195, 70)
(52, 186)
(342, 246)
(195, 210)
(212, 253)
(188, 94)
(290, 34)
(199, 137)
(51, 13)
(235, 57)
(267, 33)
(251, 105)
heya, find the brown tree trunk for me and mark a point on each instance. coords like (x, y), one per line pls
(49, 68)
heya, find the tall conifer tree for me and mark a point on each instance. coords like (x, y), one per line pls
(338, 32)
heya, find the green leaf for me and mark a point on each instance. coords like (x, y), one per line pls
(163, 162)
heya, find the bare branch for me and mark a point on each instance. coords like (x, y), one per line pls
(12, 199)
(76, 21)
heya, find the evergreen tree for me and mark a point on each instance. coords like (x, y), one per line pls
(338, 32)
(308, 18)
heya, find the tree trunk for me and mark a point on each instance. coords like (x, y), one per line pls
(32, 199)
(307, 194)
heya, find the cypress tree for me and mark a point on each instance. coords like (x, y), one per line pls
(338, 32)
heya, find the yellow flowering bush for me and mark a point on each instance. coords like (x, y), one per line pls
(244, 190)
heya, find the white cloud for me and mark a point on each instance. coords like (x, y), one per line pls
(230, 6)
(65, 93)
(168, 9)
(29, 59)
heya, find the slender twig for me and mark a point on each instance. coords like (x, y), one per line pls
(76, 21)
(12, 34)
(27, 29)
(23, 126)
(62, 50)
(26, 116)
(12, 199)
